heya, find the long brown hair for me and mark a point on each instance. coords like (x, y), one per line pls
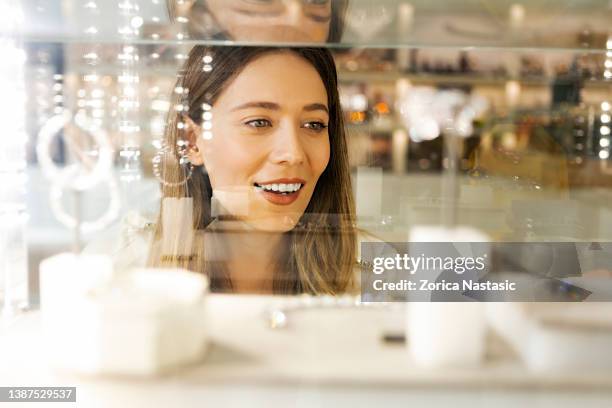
(336, 26)
(320, 251)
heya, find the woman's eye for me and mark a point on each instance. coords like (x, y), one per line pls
(316, 126)
(259, 123)
(260, 1)
(316, 2)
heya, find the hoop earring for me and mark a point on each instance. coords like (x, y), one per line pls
(164, 153)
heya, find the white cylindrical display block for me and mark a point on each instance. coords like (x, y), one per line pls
(446, 334)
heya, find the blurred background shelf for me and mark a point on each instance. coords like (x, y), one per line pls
(474, 79)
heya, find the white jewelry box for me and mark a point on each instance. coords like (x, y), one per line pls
(139, 323)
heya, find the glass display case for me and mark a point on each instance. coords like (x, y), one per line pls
(145, 135)
(493, 115)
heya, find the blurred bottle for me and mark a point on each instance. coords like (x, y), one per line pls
(355, 104)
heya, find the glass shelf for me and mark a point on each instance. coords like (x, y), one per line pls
(333, 46)
(502, 24)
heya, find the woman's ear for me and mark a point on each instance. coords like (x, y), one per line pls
(192, 133)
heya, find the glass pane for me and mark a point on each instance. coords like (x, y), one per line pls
(470, 114)
(387, 23)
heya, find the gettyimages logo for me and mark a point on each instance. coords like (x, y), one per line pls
(413, 264)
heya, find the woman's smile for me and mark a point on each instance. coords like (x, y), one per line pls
(280, 191)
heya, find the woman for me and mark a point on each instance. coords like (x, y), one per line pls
(270, 188)
(262, 20)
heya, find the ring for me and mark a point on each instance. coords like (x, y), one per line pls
(69, 221)
(73, 176)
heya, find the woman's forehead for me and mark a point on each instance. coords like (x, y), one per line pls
(283, 78)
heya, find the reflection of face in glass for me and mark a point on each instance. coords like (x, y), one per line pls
(265, 20)
(273, 20)
(269, 141)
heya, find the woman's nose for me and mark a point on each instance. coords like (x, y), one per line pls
(287, 147)
(293, 13)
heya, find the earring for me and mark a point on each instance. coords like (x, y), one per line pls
(165, 153)
(192, 152)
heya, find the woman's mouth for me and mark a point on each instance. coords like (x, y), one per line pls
(280, 192)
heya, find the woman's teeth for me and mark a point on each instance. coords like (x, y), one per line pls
(279, 188)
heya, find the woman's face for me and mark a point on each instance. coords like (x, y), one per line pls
(269, 141)
(273, 20)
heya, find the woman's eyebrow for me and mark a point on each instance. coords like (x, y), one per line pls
(318, 18)
(274, 106)
(264, 105)
(315, 107)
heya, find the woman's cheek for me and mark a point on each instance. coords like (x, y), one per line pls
(319, 32)
(229, 164)
(320, 154)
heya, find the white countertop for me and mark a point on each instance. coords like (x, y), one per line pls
(331, 355)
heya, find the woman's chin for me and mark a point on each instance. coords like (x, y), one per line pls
(278, 223)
